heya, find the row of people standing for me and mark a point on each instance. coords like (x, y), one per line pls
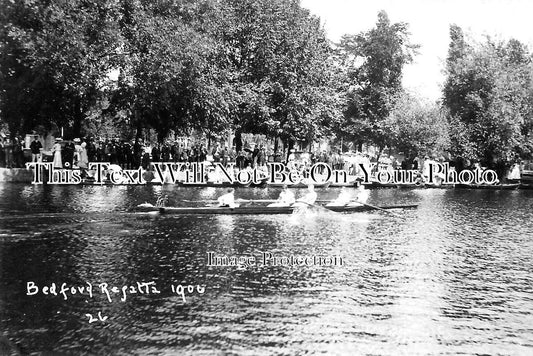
(128, 155)
(12, 153)
(71, 154)
(199, 153)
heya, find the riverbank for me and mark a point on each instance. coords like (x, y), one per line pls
(24, 175)
(16, 175)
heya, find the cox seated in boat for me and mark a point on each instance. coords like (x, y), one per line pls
(228, 199)
(344, 198)
(308, 199)
(286, 198)
(514, 175)
(361, 198)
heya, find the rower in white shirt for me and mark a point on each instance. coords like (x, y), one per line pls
(286, 198)
(308, 199)
(344, 198)
(362, 196)
(228, 199)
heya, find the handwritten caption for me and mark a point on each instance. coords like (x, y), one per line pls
(111, 292)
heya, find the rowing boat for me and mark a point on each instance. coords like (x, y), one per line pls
(490, 187)
(342, 184)
(298, 185)
(255, 210)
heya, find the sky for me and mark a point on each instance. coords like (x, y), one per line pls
(429, 22)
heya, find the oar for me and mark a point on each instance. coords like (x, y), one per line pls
(370, 206)
(240, 200)
(199, 201)
(247, 200)
(378, 208)
(319, 207)
(258, 200)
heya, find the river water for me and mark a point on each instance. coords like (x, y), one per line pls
(454, 276)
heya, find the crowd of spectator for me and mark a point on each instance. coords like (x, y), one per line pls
(77, 153)
(134, 154)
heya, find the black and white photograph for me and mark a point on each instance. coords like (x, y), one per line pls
(266, 177)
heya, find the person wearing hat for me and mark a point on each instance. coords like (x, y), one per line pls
(2, 153)
(228, 199)
(224, 156)
(292, 155)
(35, 148)
(56, 149)
(291, 160)
(8, 153)
(68, 154)
(83, 161)
(76, 155)
(286, 198)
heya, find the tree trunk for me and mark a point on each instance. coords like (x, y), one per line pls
(78, 117)
(378, 157)
(290, 145)
(138, 133)
(238, 141)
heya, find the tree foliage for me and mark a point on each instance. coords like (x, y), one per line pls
(283, 69)
(374, 62)
(55, 58)
(258, 66)
(170, 78)
(488, 93)
(418, 128)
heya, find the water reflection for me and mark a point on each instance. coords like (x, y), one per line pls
(453, 276)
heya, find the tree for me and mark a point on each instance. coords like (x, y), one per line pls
(488, 95)
(418, 128)
(55, 59)
(169, 74)
(283, 69)
(258, 66)
(374, 62)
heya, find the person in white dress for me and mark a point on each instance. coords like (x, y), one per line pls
(77, 150)
(58, 162)
(83, 158)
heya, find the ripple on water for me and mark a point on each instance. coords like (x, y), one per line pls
(453, 276)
